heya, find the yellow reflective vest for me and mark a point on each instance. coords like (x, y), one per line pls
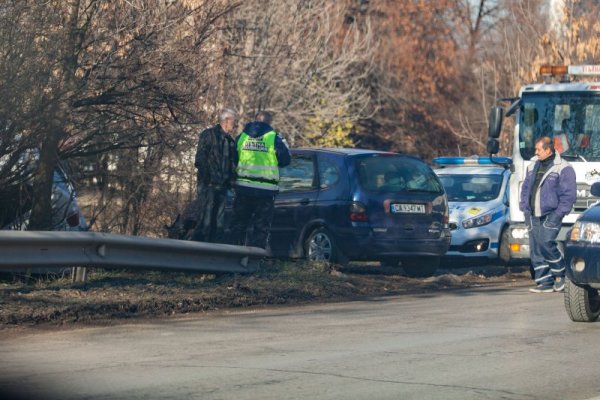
(257, 162)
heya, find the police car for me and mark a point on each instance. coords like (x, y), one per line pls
(477, 190)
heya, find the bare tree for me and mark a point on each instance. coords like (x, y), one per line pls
(300, 59)
(107, 76)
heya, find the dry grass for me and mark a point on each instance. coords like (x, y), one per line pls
(111, 296)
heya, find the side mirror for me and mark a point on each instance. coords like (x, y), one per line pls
(493, 146)
(595, 189)
(496, 115)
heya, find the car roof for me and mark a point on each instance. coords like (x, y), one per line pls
(475, 170)
(353, 152)
(342, 150)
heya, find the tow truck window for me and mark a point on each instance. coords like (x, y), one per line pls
(571, 119)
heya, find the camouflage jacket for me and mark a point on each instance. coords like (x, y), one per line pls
(216, 158)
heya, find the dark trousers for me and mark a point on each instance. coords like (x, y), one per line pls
(252, 216)
(547, 261)
(211, 215)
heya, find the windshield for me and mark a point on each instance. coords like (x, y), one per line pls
(385, 173)
(571, 119)
(471, 187)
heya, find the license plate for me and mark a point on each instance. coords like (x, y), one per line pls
(397, 208)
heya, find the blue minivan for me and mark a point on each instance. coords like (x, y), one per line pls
(341, 205)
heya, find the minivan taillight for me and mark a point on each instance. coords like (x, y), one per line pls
(358, 212)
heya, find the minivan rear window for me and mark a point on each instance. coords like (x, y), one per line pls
(385, 173)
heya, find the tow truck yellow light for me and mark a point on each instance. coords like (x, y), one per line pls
(546, 70)
(515, 247)
(554, 70)
(562, 70)
(559, 70)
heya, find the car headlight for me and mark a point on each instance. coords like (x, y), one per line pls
(586, 232)
(480, 220)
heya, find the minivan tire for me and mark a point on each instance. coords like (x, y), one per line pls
(320, 246)
(420, 267)
(582, 303)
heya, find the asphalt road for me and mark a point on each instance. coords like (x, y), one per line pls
(492, 343)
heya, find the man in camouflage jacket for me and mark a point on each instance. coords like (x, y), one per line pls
(216, 159)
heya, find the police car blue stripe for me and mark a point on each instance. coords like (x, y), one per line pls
(496, 215)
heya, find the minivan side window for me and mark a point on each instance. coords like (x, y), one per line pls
(328, 174)
(298, 175)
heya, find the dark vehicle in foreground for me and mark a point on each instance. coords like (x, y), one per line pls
(582, 253)
(339, 205)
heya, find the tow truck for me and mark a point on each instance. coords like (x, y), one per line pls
(566, 108)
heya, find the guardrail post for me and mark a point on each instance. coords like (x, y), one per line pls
(78, 275)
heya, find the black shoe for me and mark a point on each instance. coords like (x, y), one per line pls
(542, 289)
(559, 284)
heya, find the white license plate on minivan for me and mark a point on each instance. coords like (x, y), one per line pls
(400, 208)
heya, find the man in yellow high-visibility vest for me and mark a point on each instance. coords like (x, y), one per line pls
(261, 151)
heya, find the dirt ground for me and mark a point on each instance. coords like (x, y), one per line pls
(115, 296)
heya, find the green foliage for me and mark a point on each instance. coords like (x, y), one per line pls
(328, 132)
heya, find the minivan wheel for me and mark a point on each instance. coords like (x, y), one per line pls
(420, 266)
(320, 246)
(582, 303)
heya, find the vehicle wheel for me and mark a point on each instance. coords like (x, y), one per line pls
(504, 246)
(390, 262)
(420, 266)
(582, 303)
(320, 246)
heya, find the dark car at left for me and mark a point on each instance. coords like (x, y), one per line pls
(341, 205)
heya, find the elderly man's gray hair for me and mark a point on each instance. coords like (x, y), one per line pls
(227, 113)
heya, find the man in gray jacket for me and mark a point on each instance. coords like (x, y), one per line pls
(547, 195)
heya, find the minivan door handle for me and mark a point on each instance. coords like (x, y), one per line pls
(304, 201)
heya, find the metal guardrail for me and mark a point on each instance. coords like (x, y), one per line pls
(26, 249)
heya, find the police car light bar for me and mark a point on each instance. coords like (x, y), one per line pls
(469, 161)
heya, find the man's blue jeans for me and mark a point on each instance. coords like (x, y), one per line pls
(547, 261)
